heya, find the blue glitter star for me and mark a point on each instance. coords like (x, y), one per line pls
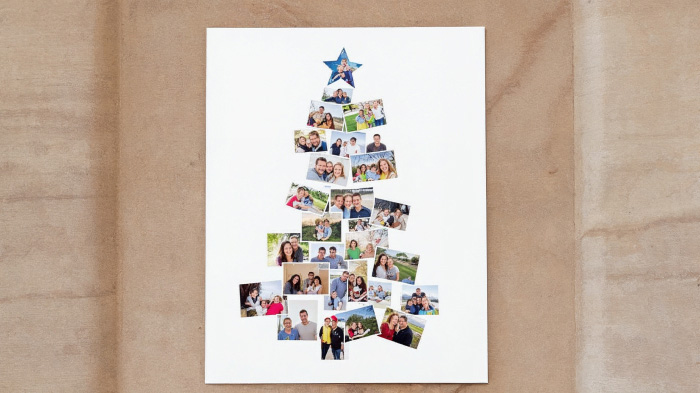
(346, 72)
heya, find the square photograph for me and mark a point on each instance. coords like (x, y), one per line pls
(261, 299)
(300, 322)
(308, 141)
(359, 323)
(394, 265)
(332, 337)
(352, 203)
(329, 170)
(359, 245)
(358, 225)
(363, 115)
(390, 214)
(307, 199)
(374, 143)
(343, 144)
(321, 229)
(357, 280)
(286, 247)
(420, 300)
(373, 166)
(337, 93)
(331, 253)
(379, 293)
(402, 328)
(325, 115)
(305, 278)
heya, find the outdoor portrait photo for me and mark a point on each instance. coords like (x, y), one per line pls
(286, 247)
(325, 115)
(379, 293)
(358, 225)
(305, 278)
(306, 141)
(363, 115)
(373, 166)
(261, 299)
(359, 323)
(402, 328)
(328, 169)
(395, 265)
(390, 214)
(352, 203)
(338, 93)
(342, 144)
(420, 300)
(363, 245)
(332, 337)
(331, 253)
(325, 228)
(300, 322)
(307, 199)
(357, 280)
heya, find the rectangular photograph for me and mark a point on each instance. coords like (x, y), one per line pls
(305, 278)
(338, 292)
(325, 115)
(326, 228)
(374, 144)
(261, 299)
(332, 337)
(359, 245)
(286, 247)
(352, 203)
(345, 145)
(420, 300)
(309, 141)
(402, 328)
(359, 225)
(328, 169)
(379, 293)
(363, 115)
(357, 281)
(300, 322)
(373, 166)
(390, 214)
(394, 265)
(331, 253)
(307, 199)
(359, 323)
(337, 93)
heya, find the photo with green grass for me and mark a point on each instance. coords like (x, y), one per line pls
(414, 323)
(406, 262)
(325, 228)
(364, 115)
(307, 199)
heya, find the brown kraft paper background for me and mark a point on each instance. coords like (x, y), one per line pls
(592, 215)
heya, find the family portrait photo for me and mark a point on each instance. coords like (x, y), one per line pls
(342, 69)
(330, 253)
(379, 293)
(394, 265)
(357, 280)
(363, 245)
(332, 337)
(307, 199)
(359, 323)
(326, 228)
(358, 225)
(342, 144)
(286, 247)
(420, 300)
(306, 141)
(352, 203)
(300, 321)
(328, 169)
(373, 166)
(338, 93)
(305, 279)
(390, 214)
(402, 328)
(363, 115)
(261, 299)
(325, 115)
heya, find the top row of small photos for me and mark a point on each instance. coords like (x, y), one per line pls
(349, 117)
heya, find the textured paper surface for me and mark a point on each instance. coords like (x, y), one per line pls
(68, 294)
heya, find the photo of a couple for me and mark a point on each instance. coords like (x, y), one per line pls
(363, 115)
(362, 245)
(337, 93)
(394, 265)
(373, 166)
(402, 328)
(307, 199)
(345, 145)
(328, 169)
(352, 203)
(300, 321)
(310, 141)
(326, 228)
(420, 300)
(390, 214)
(332, 336)
(286, 247)
(325, 115)
(261, 299)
